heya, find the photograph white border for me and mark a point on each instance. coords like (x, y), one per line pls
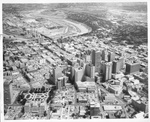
(60, 1)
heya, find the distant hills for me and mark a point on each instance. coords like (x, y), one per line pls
(131, 6)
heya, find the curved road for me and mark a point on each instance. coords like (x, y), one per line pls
(70, 27)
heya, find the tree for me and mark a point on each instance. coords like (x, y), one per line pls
(23, 101)
(45, 114)
(43, 89)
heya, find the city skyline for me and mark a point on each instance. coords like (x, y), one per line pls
(75, 61)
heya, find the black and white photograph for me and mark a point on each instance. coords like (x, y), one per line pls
(75, 60)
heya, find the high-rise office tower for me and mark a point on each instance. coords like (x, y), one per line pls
(111, 56)
(72, 76)
(7, 93)
(60, 83)
(118, 64)
(96, 59)
(87, 58)
(90, 70)
(57, 72)
(121, 60)
(110, 70)
(107, 70)
(79, 73)
(102, 66)
(105, 55)
(106, 73)
(72, 70)
(132, 67)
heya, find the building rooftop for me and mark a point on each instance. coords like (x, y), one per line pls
(111, 108)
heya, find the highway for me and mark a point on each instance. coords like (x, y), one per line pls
(70, 27)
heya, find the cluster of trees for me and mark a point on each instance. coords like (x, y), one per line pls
(51, 94)
(20, 99)
(90, 20)
(38, 90)
(65, 40)
(133, 34)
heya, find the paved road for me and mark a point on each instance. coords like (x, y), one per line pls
(123, 103)
(74, 28)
